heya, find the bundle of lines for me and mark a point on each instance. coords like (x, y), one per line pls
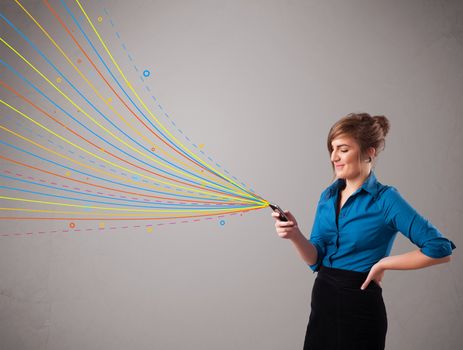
(77, 140)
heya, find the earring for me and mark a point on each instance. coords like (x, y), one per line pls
(369, 159)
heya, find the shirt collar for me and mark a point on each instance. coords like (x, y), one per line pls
(370, 185)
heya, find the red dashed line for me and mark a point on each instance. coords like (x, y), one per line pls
(79, 189)
(89, 191)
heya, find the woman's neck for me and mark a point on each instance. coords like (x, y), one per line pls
(353, 184)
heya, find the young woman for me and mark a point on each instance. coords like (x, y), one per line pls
(355, 225)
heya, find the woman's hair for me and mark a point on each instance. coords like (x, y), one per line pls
(366, 130)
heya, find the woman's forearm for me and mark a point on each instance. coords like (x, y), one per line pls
(410, 261)
(306, 250)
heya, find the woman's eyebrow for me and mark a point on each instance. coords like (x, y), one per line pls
(342, 145)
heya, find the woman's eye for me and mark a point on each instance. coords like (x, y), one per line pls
(344, 150)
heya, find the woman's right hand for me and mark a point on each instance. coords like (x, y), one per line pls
(286, 229)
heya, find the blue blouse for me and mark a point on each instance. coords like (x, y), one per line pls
(367, 226)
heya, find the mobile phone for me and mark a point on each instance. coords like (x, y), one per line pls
(280, 211)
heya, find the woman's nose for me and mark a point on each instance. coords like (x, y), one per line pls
(334, 156)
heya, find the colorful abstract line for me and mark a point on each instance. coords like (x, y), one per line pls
(79, 142)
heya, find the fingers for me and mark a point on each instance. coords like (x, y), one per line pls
(282, 223)
(289, 215)
(366, 283)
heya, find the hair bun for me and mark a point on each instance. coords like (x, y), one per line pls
(383, 122)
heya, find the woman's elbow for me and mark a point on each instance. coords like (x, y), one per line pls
(443, 260)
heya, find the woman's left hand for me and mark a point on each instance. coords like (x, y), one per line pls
(376, 274)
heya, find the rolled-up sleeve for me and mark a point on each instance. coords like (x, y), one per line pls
(316, 239)
(404, 218)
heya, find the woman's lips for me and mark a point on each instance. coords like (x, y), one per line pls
(339, 166)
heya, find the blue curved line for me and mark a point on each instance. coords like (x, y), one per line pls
(103, 179)
(57, 106)
(136, 106)
(108, 197)
(99, 202)
(114, 125)
(68, 190)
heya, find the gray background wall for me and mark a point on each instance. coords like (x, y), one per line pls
(259, 83)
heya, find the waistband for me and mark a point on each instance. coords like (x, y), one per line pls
(342, 278)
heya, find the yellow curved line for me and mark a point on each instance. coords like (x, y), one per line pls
(89, 214)
(114, 110)
(120, 209)
(148, 110)
(98, 170)
(72, 102)
(96, 156)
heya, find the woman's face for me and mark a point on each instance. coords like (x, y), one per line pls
(346, 158)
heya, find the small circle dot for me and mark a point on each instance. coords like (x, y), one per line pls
(146, 73)
(222, 222)
(72, 225)
(100, 19)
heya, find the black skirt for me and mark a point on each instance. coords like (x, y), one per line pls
(343, 316)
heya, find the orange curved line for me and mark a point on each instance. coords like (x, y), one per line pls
(110, 188)
(104, 150)
(113, 90)
(119, 219)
